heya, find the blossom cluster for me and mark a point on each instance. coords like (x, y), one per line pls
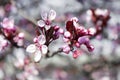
(76, 35)
(99, 17)
(45, 34)
(9, 34)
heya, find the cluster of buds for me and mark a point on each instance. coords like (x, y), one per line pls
(46, 33)
(10, 34)
(100, 18)
(76, 35)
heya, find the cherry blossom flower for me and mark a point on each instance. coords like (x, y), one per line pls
(46, 33)
(11, 34)
(47, 18)
(38, 48)
(8, 24)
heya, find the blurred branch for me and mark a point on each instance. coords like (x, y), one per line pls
(27, 17)
(24, 14)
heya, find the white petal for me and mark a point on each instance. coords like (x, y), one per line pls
(41, 39)
(41, 23)
(76, 24)
(47, 27)
(44, 49)
(44, 15)
(37, 56)
(52, 15)
(31, 48)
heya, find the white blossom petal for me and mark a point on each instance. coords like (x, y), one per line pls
(47, 27)
(37, 56)
(31, 48)
(52, 15)
(44, 15)
(41, 39)
(41, 23)
(44, 49)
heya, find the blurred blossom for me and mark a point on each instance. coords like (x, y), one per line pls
(11, 34)
(8, 24)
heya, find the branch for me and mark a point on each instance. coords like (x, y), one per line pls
(24, 14)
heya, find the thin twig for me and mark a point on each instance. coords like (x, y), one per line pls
(54, 53)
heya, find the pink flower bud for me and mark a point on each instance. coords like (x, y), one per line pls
(66, 49)
(56, 28)
(77, 44)
(61, 31)
(76, 53)
(21, 35)
(67, 34)
(90, 48)
(91, 31)
(83, 40)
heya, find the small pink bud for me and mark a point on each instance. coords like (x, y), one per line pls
(21, 35)
(76, 53)
(66, 49)
(77, 44)
(91, 31)
(90, 48)
(56, 28)
(67, 34)
(83, 40)
(61, 31)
